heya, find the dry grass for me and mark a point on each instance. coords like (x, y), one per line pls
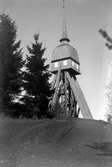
(55, 143)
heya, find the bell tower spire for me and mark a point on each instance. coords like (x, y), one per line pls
(68, 100)
(64, 26)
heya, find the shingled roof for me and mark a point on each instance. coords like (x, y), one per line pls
(63, 51)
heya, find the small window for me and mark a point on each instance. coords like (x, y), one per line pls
(56, 64)
(65, 62)
(73, 63)
(77, 66)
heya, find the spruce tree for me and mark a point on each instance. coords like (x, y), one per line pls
(36, 81)
(11, 64)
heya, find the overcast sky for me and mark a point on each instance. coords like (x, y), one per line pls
(84, 18)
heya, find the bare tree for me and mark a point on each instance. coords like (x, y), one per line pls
(108, 44)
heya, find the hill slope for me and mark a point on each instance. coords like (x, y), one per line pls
(55, 143)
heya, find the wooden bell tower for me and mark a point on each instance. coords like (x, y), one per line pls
(68, 99)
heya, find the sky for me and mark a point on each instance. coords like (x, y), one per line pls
(84, 19)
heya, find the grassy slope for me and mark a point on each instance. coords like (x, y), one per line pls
(56, 143)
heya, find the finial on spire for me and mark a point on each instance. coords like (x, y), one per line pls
(64, 30)
(63, 3)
